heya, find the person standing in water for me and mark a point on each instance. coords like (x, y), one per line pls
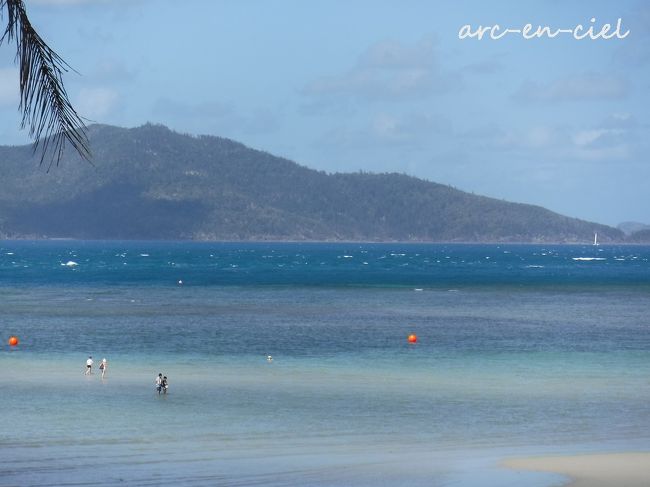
(164, 385)
(159, 381)
(89, 365)
(103, 366)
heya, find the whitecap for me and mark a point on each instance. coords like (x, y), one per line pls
(534, 267)
(589, 258)
(70, 263)
(144, 255)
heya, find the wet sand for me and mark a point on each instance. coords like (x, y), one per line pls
(599, 470)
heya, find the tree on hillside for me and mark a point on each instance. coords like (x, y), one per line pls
(44, 103)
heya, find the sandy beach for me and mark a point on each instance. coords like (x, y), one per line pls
(599, 470)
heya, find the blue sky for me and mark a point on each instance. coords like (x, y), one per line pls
(381, 86)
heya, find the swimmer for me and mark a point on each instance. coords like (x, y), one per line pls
(269, 359)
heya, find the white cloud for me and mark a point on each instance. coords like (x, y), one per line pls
(589, 137)
(623, 120)
(111, 70)
(488, 66)
(412, 128)
(167, 107)
(403, 132)
(539, 137)
(590, 86)
(605, 142)
(96, 103)
(389, 70)
(596, 154)
(395, 55)
(601, 142)
(215, 116)
(533, 138)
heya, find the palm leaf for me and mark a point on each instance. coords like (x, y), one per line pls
(44, 103)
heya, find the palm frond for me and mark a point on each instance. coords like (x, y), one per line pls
(44, 103)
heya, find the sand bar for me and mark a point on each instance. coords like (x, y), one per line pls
(599, 470)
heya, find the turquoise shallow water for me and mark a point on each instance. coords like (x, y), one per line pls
(512, 358)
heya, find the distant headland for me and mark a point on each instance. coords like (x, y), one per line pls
(152, 183)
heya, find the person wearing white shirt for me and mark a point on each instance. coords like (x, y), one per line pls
(89, 365)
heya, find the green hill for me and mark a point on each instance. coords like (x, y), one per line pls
(152, 183)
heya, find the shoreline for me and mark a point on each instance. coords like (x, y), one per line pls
(630, 469)
(324, 241)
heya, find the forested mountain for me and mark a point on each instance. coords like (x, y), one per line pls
(641, 237)
(152, 183)
(628, 228)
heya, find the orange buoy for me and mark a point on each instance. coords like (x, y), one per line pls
(13, 341)
(412, 338)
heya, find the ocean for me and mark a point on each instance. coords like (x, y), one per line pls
(521, 350)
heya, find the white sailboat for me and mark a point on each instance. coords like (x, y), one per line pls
(595, 238)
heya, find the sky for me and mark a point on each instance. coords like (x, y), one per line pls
(379, 86)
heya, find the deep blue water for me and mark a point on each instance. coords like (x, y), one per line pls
(313, 264)
(521, 348)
